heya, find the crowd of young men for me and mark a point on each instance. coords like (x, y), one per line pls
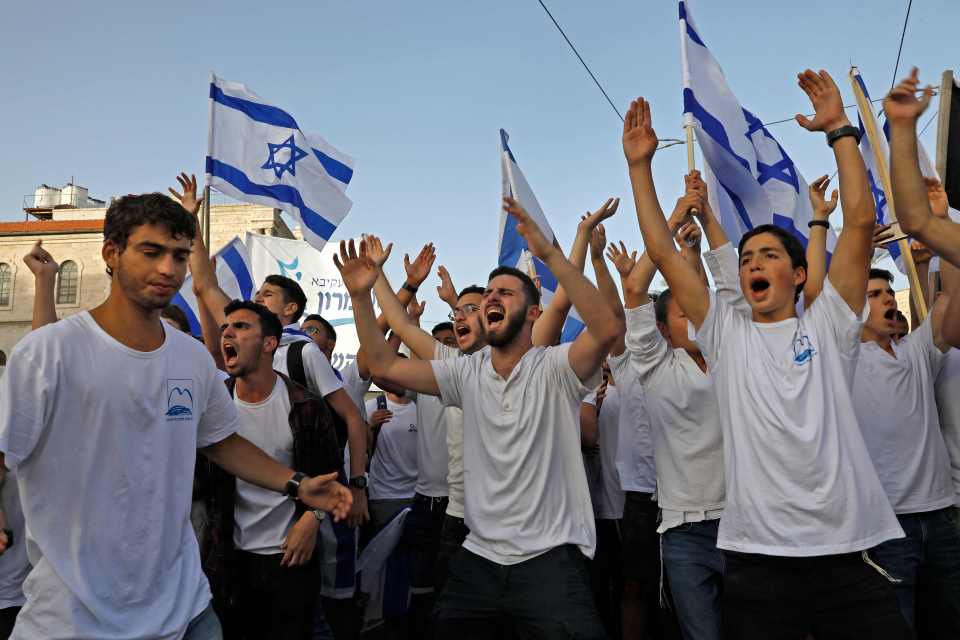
(773, 457)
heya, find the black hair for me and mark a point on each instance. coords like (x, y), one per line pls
(443, 326)
(793, 247)
(175, 313)
(316, 317)
(129, 212)
(660, 305)
(880, 274)
(474, 288)
(292, 292)
(269, 322)
(530, 290)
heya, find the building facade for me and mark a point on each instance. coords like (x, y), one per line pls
(74, 237)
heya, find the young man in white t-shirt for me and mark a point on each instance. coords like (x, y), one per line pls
(527, 502)
(803, 501)
(130, 567)
(393, 461)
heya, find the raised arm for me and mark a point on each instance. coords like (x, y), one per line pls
(445, 290)
(903, 108)
(635, 275)
(359, 273)
(712, 229)
(605, 283)
(591, 347)
(817, 240)
(950, 329)
(851, 259)
(45, 270)
(639, 145)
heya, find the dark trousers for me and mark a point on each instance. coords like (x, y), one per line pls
(421, 535)
(839, 597)
(8, 617)
(605, 575)
(452, 535)
(271, 601)
(544, 598)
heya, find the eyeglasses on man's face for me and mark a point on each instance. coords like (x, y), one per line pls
(464, 311)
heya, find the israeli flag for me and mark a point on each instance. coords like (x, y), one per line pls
(257, 153)
(513, 251)
(750, 178)
(233, 274)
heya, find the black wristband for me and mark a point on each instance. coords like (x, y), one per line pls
(409, 287)
(842, 132)
(818, 223)
(292, 488)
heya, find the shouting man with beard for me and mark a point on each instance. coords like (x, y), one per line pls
(523, 564)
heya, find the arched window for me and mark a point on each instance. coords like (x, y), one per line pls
(6, 284)
(68, 283)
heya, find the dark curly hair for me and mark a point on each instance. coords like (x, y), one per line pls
(129, 212)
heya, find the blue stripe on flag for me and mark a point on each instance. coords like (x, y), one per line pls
(281, 192)
(504, 137)
(234, 260)
(711, 126)
(192, 320)
(254, 110)
(334, 168)
(690, 30)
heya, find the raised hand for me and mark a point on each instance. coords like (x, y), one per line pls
(622, 261)
(682, 211)
(446, 291)
(188, 199)
(325, 493)
(415, 310)
(376, 250)
(639, 138)
(921, 252)
(538, 244)
(419, 269)
(902, 103)
(589, 221)
(822, 208)
(939, 204)
(826, 100)
(357, 270)
(40, 262)
(598, 240)
(881, 234)
(688, 237)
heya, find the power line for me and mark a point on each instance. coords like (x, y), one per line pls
(932, 118)
(903, 34)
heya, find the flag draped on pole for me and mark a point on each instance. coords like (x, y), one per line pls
(257, 153)
(234, 275)
(750, 178)
(513, 250)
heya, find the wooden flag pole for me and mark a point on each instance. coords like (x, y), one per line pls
(206, 218)
(873, 135)
(691, 165)
(943, 121)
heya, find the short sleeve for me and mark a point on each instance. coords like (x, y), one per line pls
(557, 362)
(724, 266)
(320, 371)
(591, 398)
(25, 391)
(443, 352)
(715, 326)
(831, 315)
(219, 418)
(645, 345)
(449, 374)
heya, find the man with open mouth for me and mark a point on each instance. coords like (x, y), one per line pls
(523, 563)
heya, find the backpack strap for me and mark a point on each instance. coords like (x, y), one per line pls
(295, 363)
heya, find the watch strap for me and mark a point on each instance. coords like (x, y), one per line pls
(292, 488)
(842, 132)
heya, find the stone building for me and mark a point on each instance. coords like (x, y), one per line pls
(74, 237)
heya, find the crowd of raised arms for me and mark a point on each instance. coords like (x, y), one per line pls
(777, 456)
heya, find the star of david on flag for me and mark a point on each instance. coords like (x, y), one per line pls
(257, 153)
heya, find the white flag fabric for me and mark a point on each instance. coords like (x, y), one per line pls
(233, 274)
(750, 178)
(512, 249)
(257, 153)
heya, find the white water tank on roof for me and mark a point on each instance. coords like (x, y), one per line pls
(46, 197)
(73, 195)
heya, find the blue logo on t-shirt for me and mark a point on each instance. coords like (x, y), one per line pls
(803, 350)
(179, 400)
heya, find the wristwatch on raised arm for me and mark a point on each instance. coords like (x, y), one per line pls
(292, 489)
(358, 482)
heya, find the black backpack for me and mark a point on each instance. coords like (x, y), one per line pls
(298, 373)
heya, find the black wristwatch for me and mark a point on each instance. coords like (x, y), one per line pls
(359, 482)
(292, 489)
(843, 132)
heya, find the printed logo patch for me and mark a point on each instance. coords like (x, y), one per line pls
(803, 350)
(179, 400)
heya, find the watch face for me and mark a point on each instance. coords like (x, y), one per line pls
(360, 482)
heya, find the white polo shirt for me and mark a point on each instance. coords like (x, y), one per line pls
(609, 497)
(948, 406)
(799, 479)
(454, 419)
(432, 454)
(526, 489)
(634, 448)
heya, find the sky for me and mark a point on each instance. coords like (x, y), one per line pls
(114, 94)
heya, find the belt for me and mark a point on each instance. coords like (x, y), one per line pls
(432, 504)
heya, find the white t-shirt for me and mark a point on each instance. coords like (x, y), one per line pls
(688, 438)
(948, 405)
(800, 481)
(261, 517)
(356, 387)
(897, 412)
(393, 468)
(14, 563)
(526, 489)
(454, 416)
(634, 449)
(103, 439)
(321, 379)
(433, 458)
(609, 497)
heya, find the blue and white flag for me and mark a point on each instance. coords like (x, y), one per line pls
(513, 251)
(257, 153)
(750, 178)
(233, 274)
